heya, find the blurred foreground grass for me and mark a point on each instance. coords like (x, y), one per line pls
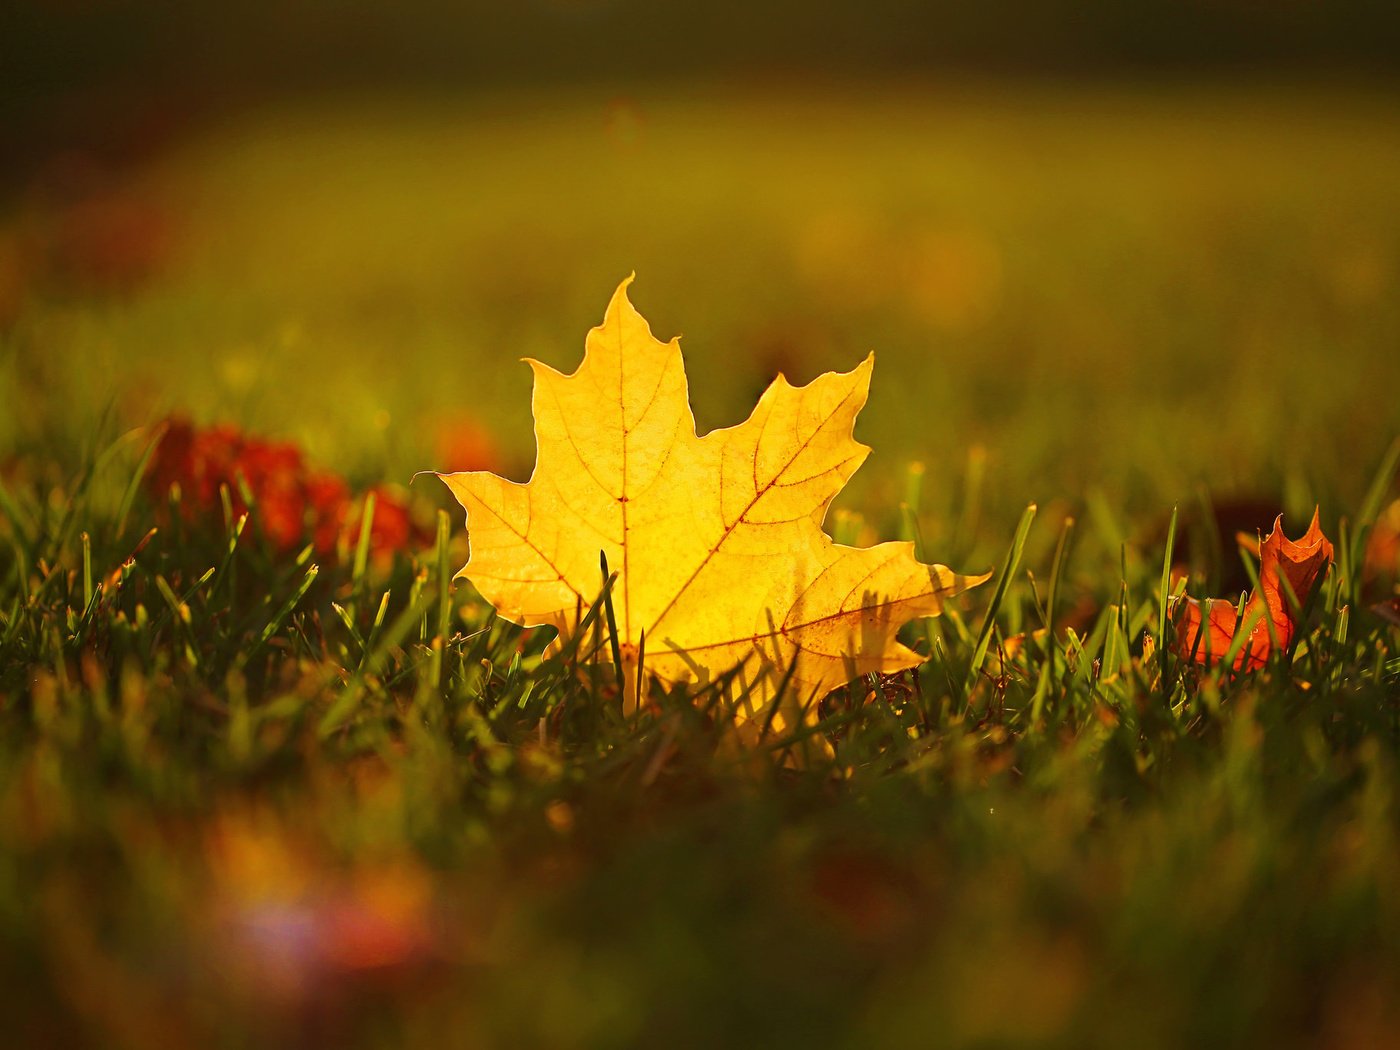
(245, 803)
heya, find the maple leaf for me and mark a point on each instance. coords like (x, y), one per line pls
(721, 562)
(1284, 565)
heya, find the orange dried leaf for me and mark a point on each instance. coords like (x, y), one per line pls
(1270, 615)
(716, 541)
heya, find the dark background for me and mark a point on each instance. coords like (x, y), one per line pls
(113, 74)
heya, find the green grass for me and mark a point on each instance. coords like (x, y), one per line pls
(246, 799)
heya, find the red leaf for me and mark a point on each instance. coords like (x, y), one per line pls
(1284, 565)
(292, 502)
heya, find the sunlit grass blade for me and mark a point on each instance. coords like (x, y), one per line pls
(133, 485)
(444, 597)
(1163, 599)
(279, 617)
(1009, 567)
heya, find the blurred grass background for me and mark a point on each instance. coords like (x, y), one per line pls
(1135, 288)
(1112, 246)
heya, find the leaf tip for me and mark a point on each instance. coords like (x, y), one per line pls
(620, 295)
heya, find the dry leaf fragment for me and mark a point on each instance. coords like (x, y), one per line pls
(1274, 619)
(1382, 557)
(722, 565)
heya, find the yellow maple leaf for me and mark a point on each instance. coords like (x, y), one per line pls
(721, 562)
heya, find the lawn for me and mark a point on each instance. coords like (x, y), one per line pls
(265, 785)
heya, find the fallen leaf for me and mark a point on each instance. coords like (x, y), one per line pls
(292, 503)
(1270, 614)
(721, 562)
(1382, 557)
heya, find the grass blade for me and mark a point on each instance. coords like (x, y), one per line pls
(1013, 561)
